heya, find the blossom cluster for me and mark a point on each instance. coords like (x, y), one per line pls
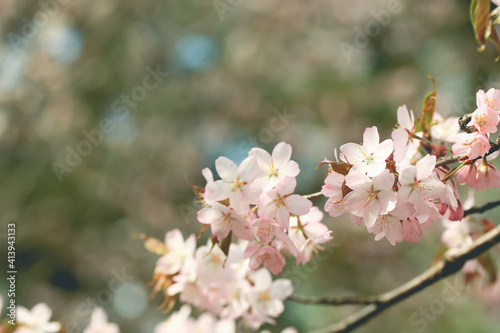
(396, 187)
(255, 201)
(37, 320)
(223, 285)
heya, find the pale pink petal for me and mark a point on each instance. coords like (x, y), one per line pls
(261, 155)
(248, 169)
(286, 185)
(371, 139)
(404, 119)
(425, 166)
(352, 153)
(283, 217)
(281, 154)
(298, 205)
(292, 169)
(226, 168)
(384, 149)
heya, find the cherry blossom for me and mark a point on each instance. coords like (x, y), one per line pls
(390, 225)
(484, 119)
(36, 320)
(419, 185)
(266, 297)
(222, 220)
(490, 98)
(472, 144)
(402, 136)
(265, 255)
(99, 323)
(444, 130)
(333, 189)
(370, 197)
(309, 234)
(466, 175)
(456, 235)
(412, 231)
(178, 251)
(487, 176)
(236, 184)
(279, 203)
(274, 167)
(370, 157)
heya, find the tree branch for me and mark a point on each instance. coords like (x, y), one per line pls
(312, 195)
(376, 304)
(482, 209)
(347, 300)
(447, 266)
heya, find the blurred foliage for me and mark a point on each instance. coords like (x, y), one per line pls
(232, 78)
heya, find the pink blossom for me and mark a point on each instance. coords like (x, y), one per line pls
(485, 120)
(466, 175)
(236, 184)
(266, 298)
(370, 197)
(487, 176)
(412, 232)
(177, 322)
(472, 144)
(274, 167)
(265, 255)
(456, 235)
(490, 98)
(390, 225)
(333, 190)
(99, 323)
(178, 251)
(419, 185)
(222, 220)
(479, 175)
(402, 138)
(279, 202)
(311, 227)
(370, 157)
(444, 129)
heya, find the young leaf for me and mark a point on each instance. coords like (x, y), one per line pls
(481, 19)
(424, 123)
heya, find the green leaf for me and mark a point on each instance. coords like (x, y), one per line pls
(481, 19)
(424, 123)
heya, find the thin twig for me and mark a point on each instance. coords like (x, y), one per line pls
(449, 160)
(482, 209)
(347, 300)
(312, 195)
(447, 266)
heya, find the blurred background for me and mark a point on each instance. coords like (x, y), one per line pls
(107, 106)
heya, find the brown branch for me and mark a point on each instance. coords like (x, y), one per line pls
(482, 209)
(347, 300)
(447, 266)
(449, 160)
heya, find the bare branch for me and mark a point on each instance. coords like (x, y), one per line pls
(347, 300)
(447, 266)
(482, 209)
(312, 195)
(448, 160)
